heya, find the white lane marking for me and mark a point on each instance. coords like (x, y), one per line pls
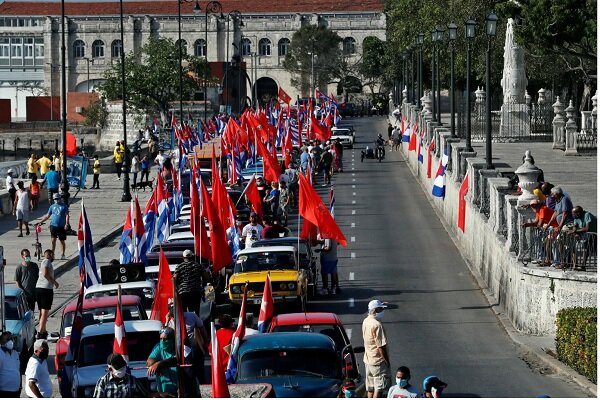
(351, 276)
(349, 333)
(353, 193)
(352, 168)
(353, 239)
(353, 180)
(353, 225)
(353, 212)
(353, 174)
(352, 255)
(353, 186)
(353, 201)
(351, 302)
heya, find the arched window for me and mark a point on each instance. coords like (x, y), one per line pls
(349, 46)
(116, 48)
(98, 49)
(246, 47)
(200, 48)
(79, 49)
(264, 47)
(183, 46)
(283, 47)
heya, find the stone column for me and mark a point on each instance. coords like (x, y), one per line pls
(528, 174)
(558, 125)
(479, 104)
(570, 131)
(594, 114)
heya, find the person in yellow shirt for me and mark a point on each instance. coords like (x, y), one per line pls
(96, 183)
(58, 161)
(32, 166)
(44, 164)
(118, 153)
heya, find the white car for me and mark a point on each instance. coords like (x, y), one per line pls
(97, 344)
(145, 290)
(344, 135)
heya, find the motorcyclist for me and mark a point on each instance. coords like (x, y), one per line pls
(380, 143)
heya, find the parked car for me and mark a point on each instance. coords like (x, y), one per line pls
(289, 282)
(97, 344)
(19, 322)
(296, 364)
(348, 110)
(145, 290)
(344, 135)
(97, 310)
(328, 324)
(307, 258)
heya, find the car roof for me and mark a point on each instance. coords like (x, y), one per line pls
(12, 291)
(274, 241)
(271, 249)
(310, 318)
(124, 285)
(286, 340)
(99, 302)
(148, 325)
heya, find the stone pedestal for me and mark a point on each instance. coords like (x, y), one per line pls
(528, 174)
(514, 121)
(558, 125)
(570, 131)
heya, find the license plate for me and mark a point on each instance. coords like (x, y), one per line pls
(257, 301)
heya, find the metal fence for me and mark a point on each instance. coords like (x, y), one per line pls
(563, 251)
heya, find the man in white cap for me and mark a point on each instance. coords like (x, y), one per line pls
(376, 358)
(37, 377)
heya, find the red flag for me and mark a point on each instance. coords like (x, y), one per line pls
(322, 133)
(462, 203)
(266, 307)
(283, 96)
(71, 145)
(270, 165)
(251, 192)
(120, 342)
(219, 384)
(309, 231)
(412, 143)
(164, 290)
(201, 244)
(312, 208)
(221, 254)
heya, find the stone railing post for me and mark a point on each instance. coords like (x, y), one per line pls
(570, 131)
(426, 117)
(594, 114)
(479, 104)
(558, 125)
(541, 97)
(498, 187)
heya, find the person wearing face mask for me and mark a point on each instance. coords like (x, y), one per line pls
(162, 362)
(433, 387)
(37, 377)
(118, 381)
(402, 388)
(376, 359)
(44, 291)
(10, 375)
(348, 389)
(26, 277)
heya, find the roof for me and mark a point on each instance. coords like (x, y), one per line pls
(148, 325)
(99, 302)
(311, 318)
(286, 340)
(12, 291)
(287, 239)
(156, 7)
(124, 285)
(270, 249)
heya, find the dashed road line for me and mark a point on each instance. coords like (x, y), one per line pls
(353, 238)
(353, 201)
(353, 186)
(353, 193)
(352, 255)
(349, 333)
(353, 212)
(353, 225)
(351, 302)
(351, 276)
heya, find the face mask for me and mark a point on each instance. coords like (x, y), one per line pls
(167, 345)
(43, 355)
(402, 382)
(379, 315)
(348, 393)
(27, 259)
(119, 373)
(9, 345)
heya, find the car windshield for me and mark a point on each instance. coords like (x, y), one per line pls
(297, 362)
(294, 243)
(340, 132)
(265, 261)
(333, 331)
(11, 310)
(101, 315)
(95, 349)
(145, 294)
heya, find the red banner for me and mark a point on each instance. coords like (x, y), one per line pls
(462, 203)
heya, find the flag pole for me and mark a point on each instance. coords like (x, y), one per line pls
(178, 349)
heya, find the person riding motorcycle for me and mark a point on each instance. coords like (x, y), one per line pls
(380, 144)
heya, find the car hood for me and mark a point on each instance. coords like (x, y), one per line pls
(14, 326)
(300, 386)
(260, 276)
(88, 376)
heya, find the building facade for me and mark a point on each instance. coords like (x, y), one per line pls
(30, 40)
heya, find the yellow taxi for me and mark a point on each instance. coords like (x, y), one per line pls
(288, 281)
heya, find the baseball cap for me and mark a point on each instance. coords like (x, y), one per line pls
(56, 196)
(373, 304)
(10, 171)
(116, 361)
(188, 253)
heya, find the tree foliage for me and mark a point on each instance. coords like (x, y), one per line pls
(152, 77)
(372, 67)
(328, 59)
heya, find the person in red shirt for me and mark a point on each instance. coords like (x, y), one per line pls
(542, 238)
(224, 336)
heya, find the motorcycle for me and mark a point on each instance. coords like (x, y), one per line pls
(367, 153)
(380, 153)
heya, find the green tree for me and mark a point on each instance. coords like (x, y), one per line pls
(95, 114)
(373, 64)
(324, 45)
(152, 77)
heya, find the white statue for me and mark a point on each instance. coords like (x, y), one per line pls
(514, 81)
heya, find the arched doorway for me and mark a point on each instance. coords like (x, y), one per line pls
(266, 90)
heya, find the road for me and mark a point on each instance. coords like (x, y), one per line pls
(438, 321)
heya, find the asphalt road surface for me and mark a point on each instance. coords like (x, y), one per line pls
(438, 321)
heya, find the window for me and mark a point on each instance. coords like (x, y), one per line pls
(98, 49)
(79, 49)
(183, 46)
(264, 47)
(28, 51)
(200, 48)
(283, 47)
(39, 51)
(349, 46)
(116, 48)
(4, 51)
(246, 47)
(16, 51)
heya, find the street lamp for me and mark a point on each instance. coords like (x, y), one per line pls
(469, 35)
(490, 29)
(452, 28)
(88, 60)
(126, 191)
(213, 7)
(180, 51)
(433, 52)
(413, 78)
(64, 187)
(51, 91)
(439, 38)
(404, 77)
(234, 15)
(420, 37)
(312, 73)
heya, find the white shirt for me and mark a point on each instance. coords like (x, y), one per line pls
(251, 331)
(37, 371)
(252, 233)
(9, 182)
(22, 200)
(160, 159)
(405, 393)
(42, 282)
(135, 164)
(10, 373)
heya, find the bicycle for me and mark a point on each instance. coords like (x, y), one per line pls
(37, 245)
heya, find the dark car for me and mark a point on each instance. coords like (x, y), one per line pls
(348, 110)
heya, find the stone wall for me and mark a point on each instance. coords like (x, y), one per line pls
(493, 242)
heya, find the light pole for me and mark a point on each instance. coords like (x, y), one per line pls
(404, 78)
(63, 100)
(490, 29)
(452, 28)
(412, 74)
(433, 52)
(88, 60)
(213, 7)
(51, 91)
(439, 38)
(180, 51)
(312, 73)
(232, 15)
(126, 191)
(420, 37)
(469, 35)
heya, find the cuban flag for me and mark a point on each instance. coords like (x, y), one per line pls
(420, 149)
(162, 204)
(120, 342)
(439, 183)
(150, 219)
(66, 378)
(87, 259)
(140, 246)
(126, 246)
(266, 307)
(236, 340)
(331, 202)
(406, 133)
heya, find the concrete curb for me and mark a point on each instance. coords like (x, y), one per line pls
(541, 356)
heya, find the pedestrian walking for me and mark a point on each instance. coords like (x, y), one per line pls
(97, 170)
(58, 160)
(32, 166)
(135, 168)
(10, 185)
(44, 291)
(189, 283)
(21, 208)
(26, 277)
(59, 212)
(376, 358)
(285, 199)
(10, 367)
(52, 181)
(252, 231)
(329, 263)
(34, 193)
(118, 381)
(37, 377)
(44, 162)
(145, 168)
(118, 154)
(162, 362)
(272, 199)
(403, 388)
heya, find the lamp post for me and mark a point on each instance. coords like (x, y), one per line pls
(469, 35)
(64, 187)
(433, 51)
(213, 7)
(126, 191)
(232, 15)
(413, 79)
(490, 29)
(312, 73)
(439, 38)
(404, 78)
(51, 91)
(180, 51)
(88, 60)
(420, 37)
(452, 28)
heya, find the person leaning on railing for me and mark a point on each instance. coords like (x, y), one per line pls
(585, 229)
(543, 216)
